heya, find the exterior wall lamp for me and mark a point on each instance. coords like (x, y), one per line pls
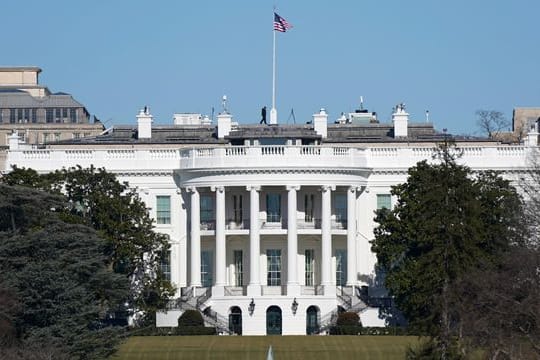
(251, 307)
(294, 306)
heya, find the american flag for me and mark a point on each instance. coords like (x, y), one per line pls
(280, 24)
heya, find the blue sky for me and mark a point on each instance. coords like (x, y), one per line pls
(449, 57)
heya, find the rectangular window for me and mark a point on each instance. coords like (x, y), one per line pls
(1, 116)
(384, 201)
(34, 116)
(273, 207)
(340, 207)
(56, 136)
(64, 113)
(49, 115)
(206, 268)
(341, 267)
(73, 115)
(76, 135)
(207, 209)
(237, 209)
(166, 264)
(45, 138)
(238, 268)
(273, 258)
(163, 209)
(309, 204)
(12, 116)
(310, 267)
(58, 115)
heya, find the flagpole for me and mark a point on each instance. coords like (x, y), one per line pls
(273, 111)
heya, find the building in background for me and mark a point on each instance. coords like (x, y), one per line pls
(270, 225)
(36, 114)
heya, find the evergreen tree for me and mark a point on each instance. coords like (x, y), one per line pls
(57, 274)
(447, 221)
(97, 199)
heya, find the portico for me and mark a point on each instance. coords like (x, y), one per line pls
(285, 267)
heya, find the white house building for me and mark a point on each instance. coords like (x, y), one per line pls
(269, 225)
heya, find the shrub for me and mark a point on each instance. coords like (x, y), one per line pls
(348, 323)
(348, 319)
(190, 318)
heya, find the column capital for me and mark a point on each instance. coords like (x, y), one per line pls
(191, 189)
(292, 187)
(253, 187)
(219, 188)
(328, 187)
(355, 188)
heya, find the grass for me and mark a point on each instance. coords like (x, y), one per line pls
(256, 347)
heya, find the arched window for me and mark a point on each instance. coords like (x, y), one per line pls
(273, 320)
(312, 320)
(235, 320)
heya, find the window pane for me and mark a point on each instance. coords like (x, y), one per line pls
(341, 267)
(384, 201)
(238, 267)
(206, 268)
(310, 266)
(163, 209)
(340, 206)
(273, 258)
(309, 202)
(273, 207)
(207, 208)
(166, 264)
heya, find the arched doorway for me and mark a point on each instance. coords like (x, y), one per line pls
(235, 320)
(273, 320)
(312, 320)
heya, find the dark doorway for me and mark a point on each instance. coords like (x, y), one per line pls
(273, 321)
(235, 320)
(312, 320)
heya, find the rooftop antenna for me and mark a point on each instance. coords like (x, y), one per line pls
(361, 102)
(293, 117)
(224, 103)
(427, 116)
(212, 117)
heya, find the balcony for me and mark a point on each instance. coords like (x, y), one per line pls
(272, 156)
(277, 223)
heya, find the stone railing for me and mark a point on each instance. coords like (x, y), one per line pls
(272, 156)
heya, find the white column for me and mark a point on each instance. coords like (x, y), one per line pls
(293, 286)
(351, 236)
(254, 287)
(326, 241)
(221, 270)
(195, 280)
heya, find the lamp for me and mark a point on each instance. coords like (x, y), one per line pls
(251, 307)
(294, 306)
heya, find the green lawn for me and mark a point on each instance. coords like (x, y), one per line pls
(255, 347)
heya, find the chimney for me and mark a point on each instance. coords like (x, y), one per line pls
(320, 123)
(400, 118)
(144, 123)
(530, 140)
(224, 121)
(14, 141)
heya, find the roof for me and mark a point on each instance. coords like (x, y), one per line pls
(207, 134)
(11, 98)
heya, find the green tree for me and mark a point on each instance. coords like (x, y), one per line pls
(447, 221)
(60, 287)
(96, 198)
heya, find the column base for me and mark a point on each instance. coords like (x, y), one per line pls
(293, 290)
(218, 290)
(329, 290)
(254, 290)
